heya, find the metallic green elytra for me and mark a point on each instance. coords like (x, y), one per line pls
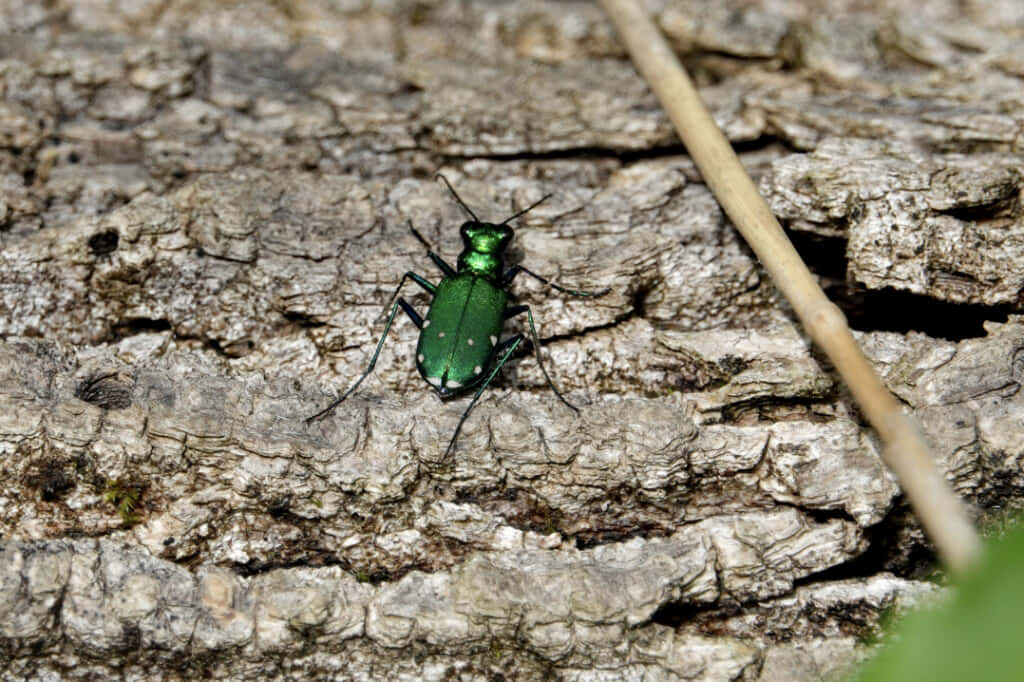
(461, 331)
(460, 346)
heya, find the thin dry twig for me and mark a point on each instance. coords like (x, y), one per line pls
(941, 512)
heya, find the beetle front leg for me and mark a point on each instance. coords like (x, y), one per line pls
(446, 269)
(518, 309)
(509, 275)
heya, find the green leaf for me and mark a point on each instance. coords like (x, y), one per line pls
(976, 634)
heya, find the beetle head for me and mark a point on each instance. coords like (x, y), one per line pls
(486, 237)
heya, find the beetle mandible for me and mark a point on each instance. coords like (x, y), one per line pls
(459, 347)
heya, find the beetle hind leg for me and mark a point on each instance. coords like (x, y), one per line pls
(506, 349)
(518, 309)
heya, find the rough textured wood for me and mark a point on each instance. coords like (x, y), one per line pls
(946, 225)
(943, 515)
(203, 209)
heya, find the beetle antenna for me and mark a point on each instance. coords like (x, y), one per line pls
(458, 198)
(420, 237)
(527, 209)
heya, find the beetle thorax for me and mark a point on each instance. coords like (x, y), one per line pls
(484, 248)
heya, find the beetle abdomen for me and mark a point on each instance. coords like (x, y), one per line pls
(460, 333)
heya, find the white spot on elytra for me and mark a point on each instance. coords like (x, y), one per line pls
(440, 335)
(419, 357)
(477, 369)
(453, 384)
(494, 340)
(426, 323)
(469, 341)
(434, 381)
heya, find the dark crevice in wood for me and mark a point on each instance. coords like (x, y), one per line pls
(1002, 207)
(888, 551)
(138, 325)
(626, 156)
(891, 310)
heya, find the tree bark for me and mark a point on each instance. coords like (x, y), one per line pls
(204, 210)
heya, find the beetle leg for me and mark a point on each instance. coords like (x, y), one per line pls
(411, 312)
(511, 273)
(448, 270)
(426, 284)
(516, 310)
(422, 281)
(416, 319)
(508, 346)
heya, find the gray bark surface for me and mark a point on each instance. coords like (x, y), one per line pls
(204, 209)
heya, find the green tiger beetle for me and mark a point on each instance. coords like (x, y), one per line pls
(459, 347)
